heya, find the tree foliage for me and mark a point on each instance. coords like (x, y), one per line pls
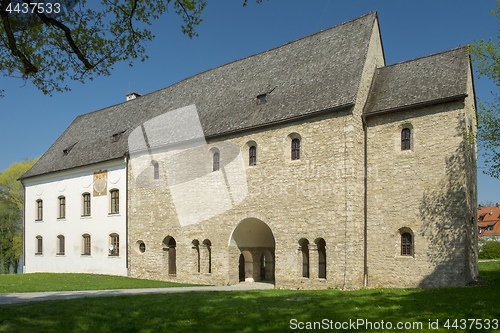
(11, 212)
(486, 57)
(83, 39)
(490, 250)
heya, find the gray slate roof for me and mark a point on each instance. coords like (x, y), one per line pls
(430, 79)
(314, 73)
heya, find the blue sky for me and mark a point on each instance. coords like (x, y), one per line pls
(410, 29)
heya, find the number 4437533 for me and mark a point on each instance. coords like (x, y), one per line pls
(478, 324)
(34, 7)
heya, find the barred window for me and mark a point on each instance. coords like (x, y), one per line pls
(406, 244)
(252, 153)
(405, 139)
(295, 149)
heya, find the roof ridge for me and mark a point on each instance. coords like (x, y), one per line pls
(372, 13)
(425, 56)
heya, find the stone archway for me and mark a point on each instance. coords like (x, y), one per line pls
(252, 247)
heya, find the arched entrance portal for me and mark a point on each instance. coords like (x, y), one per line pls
(252, 246)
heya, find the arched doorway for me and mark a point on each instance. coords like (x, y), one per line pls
(253, 243)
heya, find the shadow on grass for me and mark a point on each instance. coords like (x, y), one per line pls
(257, 311)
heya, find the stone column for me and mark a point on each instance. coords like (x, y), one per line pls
(204, 258)
(313, 260)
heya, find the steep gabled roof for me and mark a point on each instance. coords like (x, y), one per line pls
(489, 217)
(427, 80)
(318, 72)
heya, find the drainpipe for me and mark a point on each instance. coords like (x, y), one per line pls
(24, 229)
(365, 204)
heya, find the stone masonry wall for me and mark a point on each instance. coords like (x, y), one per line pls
(302, 199)
(426, 191)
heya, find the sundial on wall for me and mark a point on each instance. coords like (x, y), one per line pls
(100, 182)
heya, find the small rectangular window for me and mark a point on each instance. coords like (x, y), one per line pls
(261, 99)
(86, 204)
(252, 153)
(295, 149)
(216, 162)
(86, 245)
(60, 245)
(114, 247)
(39, 245)
(61, 212)
(115, 201)
(39, 210)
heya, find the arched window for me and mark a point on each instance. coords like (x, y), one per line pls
(405, 139)
(304, 249)
(86, 204)
(406, 244)
(169, 245)
(252, 154)
(39, 210)
(114, 245)
(61, 211)
(208, 256)
(216, 161)
(115, 201)
(86, 245)
(60, 245)
(39, 245)
(295, 149)
(156, 167)
(321, 258)
(196, 249)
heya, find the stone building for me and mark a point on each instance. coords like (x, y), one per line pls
(311, 165)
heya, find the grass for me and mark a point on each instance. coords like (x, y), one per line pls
(34, 282)
(260, 311)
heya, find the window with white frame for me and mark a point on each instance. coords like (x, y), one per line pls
(60, 245)
(39, 210)
(115, 201)
(61, 207)
(86, 204)
(114, 245)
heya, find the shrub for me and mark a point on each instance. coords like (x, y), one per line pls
(490, 250)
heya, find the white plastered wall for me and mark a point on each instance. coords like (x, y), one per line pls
(99, 225)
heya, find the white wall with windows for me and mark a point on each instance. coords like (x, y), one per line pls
(75, 220)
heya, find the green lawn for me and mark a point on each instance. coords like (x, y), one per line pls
(263, 311)
(22, 283)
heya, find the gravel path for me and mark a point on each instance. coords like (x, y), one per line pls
(15, 298)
